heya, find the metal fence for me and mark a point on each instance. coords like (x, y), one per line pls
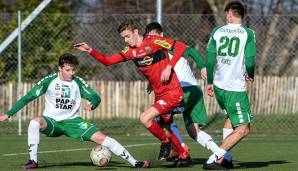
(51, 35)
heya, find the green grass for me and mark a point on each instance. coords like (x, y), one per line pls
(253, 153)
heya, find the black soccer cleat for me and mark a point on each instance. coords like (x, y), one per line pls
(214, 166)
(165, 150)
(142, 164)
(183, 162)
(30, 165)
(227, 163)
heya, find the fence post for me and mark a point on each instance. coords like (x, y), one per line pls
(19, 71)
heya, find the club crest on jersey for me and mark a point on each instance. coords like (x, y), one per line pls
(124, 50)
(148, 49)
(163, 44)
(65, 91)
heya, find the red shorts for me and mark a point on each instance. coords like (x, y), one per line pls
(165, 104)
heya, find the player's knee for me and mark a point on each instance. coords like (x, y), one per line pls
(98, 137)
(244, 131)
(37, 119)
(143, 118)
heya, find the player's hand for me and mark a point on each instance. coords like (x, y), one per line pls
(210, 90)
(149, 89)
(204, 73)
(248, 79)
(83, 47)
(166, 73)
(3, 118)
(89, 107)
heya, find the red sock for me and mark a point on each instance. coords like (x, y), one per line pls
(177, 147)
(156, 130)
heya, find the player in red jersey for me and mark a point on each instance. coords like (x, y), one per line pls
(150, 56)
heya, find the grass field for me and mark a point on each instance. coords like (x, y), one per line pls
(65, 154)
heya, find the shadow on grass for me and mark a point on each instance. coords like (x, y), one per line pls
(241, 165)
(113, 165)
(168, 165)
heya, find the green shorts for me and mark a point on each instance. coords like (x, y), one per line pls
(74, 128)
(194, 108)
(235, 104)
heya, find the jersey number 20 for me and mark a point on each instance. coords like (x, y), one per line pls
(228, 46)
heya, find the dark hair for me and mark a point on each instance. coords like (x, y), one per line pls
(68, 58)
(236, 7)
(153, 26)
(128, 24)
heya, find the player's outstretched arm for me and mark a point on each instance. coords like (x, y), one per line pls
(4, 117)
(106, 60)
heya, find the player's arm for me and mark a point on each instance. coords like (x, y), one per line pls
(106, 60)
(170, 44)
(88, 93)
(250, 53)
(211, 59)
(39, 89)
(195, 55)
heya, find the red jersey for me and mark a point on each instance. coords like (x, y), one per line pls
(151, 58)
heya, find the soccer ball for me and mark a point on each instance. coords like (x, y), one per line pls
(100, 155)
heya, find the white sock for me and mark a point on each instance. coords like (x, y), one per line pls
(215, 156)
(206, 141)
(118, 150)
(226, 132)
(33, 139)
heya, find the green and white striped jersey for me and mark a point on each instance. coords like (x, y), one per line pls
(62, 98)
(233, 48)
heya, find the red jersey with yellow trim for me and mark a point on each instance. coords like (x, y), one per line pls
(151, 58)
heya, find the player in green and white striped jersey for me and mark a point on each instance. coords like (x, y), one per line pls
(231, 49)
(63, 93)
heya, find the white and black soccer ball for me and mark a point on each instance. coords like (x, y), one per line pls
(100, 155)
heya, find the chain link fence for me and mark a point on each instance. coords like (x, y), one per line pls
(51, 35)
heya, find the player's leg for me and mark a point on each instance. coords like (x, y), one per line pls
(227, 130)
(195, 116)
(36, 124)
(238, 110)
(164, 151)
(163, 106)
(86, 131)
(112, 144)
(147, 119)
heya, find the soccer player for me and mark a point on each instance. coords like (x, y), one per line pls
(231, 49)
(194, 114)
(148, 53)
(63, 93)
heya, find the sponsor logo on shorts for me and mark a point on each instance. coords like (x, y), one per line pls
(83, 125)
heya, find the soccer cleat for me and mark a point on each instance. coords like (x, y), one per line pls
(173, 156)
(165, 150)
(227, 164)
(30, 165)
(142, 164)
(214, 166)
(183, 162)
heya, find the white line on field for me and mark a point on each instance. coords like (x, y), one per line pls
(77, 149)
